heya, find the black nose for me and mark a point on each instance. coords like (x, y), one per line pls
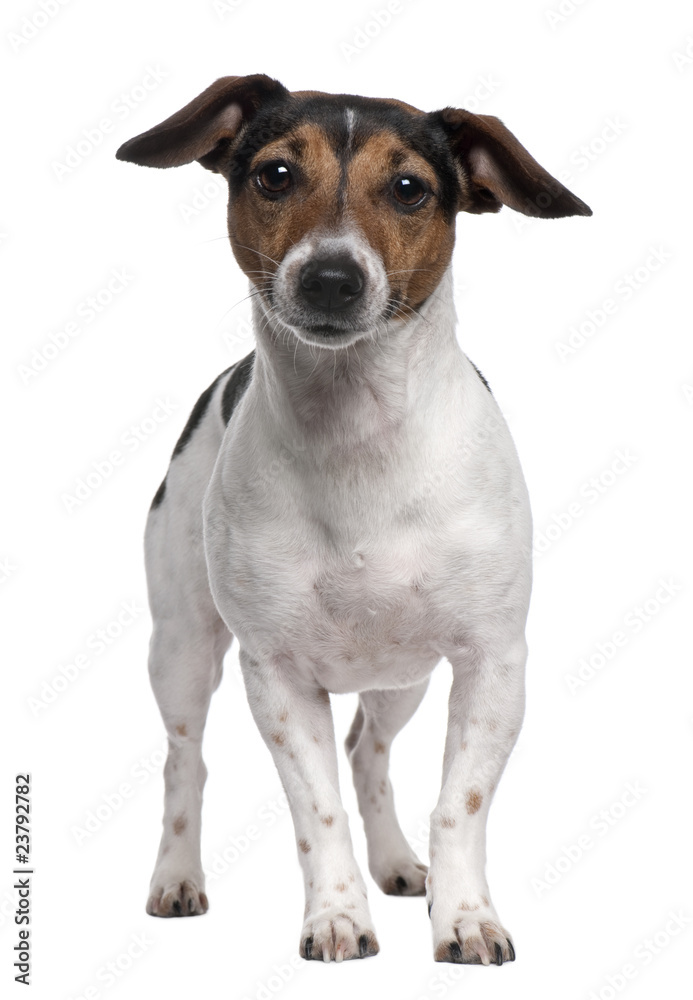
(331, 283)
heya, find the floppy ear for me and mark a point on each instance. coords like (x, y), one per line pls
(501, 171)
(203, 129)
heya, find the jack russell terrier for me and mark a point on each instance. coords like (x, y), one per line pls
(347, 500)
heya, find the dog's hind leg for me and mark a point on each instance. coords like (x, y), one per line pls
(379, 717)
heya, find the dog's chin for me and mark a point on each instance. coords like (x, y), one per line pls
(332, 336)
(329, 337)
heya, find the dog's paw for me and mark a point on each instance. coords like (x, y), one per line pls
(177, 899)
(402, 877)
(333, 936)
(471, 937)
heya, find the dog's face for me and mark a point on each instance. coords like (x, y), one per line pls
(342, 209)
(348, 210)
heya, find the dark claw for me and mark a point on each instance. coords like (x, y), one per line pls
(499, 955)
(308, 947)
(430, 907)
(176, 907)
(363, 945)
(512, 951)
(191, 905)
(401, 883)
(456, 952)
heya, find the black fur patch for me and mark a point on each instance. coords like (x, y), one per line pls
(233, 390)
(198, 412)
(481, 377)
(159, 495)
(236, 386)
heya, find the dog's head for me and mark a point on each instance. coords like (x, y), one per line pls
(342, 209)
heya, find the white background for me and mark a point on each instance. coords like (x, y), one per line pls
(601, 92)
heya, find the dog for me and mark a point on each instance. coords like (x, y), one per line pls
(347, 500)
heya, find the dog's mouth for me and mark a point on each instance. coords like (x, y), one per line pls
(333, 332)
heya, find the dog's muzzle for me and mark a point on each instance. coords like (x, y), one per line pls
(331, 290)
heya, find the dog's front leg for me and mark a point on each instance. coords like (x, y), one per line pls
(485, 714)
(295, 720)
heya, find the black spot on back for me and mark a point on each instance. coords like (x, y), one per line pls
(159, 495)
(233, 390)
(198, 412)
(481, 377)
(236, 386)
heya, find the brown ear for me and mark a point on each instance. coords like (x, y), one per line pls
(501, 171)
(202, 129)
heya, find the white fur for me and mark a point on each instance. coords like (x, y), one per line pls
(365, 515)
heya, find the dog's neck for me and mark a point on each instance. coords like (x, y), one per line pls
(363, 391)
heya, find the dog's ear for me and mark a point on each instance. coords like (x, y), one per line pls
(203, 129)
(500, 171)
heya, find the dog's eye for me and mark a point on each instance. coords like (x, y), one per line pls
(409, 190)
(274, 177)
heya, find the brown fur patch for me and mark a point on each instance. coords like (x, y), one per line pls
(448, 821)
(284, 716)
(467, 907)
(485, 901)
(304, 845)
(379, 747)
(179, 824)
(341, 887)
(182, 729)
(473, 801)
(415, 246)
(278, 739)
(327, 820)
(271, 227)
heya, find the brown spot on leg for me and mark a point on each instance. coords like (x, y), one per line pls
(327, 820)
(474, 800)
(379, 747)
(304, 845)
(467, 906)
(341, 887)
(284, 715)
(182, 729)
(278, 739)
(179, 824)
(448, 821)
(484, 900)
